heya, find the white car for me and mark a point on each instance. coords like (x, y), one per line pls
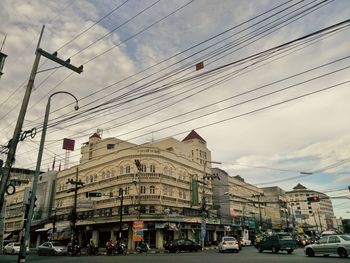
(13, 248)
(246, 242)
(228, 244)
(328, 245)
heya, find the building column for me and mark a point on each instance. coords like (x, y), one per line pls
(95, 237)
(38, 241)
(113, 235)
(131, 244)
(159, 239)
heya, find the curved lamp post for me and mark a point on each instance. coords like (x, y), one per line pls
(29, 210)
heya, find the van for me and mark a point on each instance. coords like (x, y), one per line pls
(278, 242)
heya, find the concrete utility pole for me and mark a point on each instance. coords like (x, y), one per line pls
(259, 204)
(77, 185)
(121, 196)
(17, 133)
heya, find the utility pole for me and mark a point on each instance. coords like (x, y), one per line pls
(259, 203)
(78, 184)
(121, 196)
(315, 222)
(17, 133)
(319, 219)
(53, 57)
(54, 219)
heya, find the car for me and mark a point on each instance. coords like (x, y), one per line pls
(327, 245)
(246, 242)
(228, 243)
(278, 242)
(13, 248)
(182, 244)
(52, 248)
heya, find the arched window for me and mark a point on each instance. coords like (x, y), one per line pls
(143, 168)
(152, 168)
(127, 169)
(143, 189)
(121, 170)
(152, 189)
(91, 179)
(95, 177)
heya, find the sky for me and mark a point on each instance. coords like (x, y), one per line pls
(271, 100)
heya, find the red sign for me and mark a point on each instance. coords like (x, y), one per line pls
(199, 65)
(68, 144)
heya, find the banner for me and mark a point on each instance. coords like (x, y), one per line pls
(194, 187)
(137, 231)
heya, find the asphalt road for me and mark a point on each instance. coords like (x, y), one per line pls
(247, 255)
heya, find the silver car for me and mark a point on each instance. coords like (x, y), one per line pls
(327, 245)
(52, 248)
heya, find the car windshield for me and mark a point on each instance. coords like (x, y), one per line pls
(347, 238)
(229, 239)
(285, 237)
(57, 244)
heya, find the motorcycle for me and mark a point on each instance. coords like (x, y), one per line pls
(142, 247)
(121, 249)
(116, 249)
(73, 250)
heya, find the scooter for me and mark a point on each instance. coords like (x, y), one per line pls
(142, 247)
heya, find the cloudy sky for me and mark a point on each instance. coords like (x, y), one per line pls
(272, 100)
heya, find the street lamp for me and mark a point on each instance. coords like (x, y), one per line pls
(29, 212)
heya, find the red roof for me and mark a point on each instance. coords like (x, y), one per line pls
(95, 135)
(193, 135)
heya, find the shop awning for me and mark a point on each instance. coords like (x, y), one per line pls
(60, 229)
(42, 230)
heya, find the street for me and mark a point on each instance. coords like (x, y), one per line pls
(246, 255)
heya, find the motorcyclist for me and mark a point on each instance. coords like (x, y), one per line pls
(109, 247)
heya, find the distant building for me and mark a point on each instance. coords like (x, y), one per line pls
(238, 203)
(276, 207)
(318, 216)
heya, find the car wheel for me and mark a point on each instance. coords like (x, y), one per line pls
(342, 253)
(13, 252)
(290, 251)
(310, 252)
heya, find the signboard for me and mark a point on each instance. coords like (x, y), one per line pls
(85, 204)
(233, 212)
(203, 228)
(68, 144)
(137, 231)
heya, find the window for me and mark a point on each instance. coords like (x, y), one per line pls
(91, 179)
(121, 170)
(110, 146)
(152, 209)
(323, 240)
(152, 189)
(333, 239)
(126, 190)
(142, 209)
(126, 210)
(152, 168)
(143, 189)
(143, 168)
(127, 169)
(95, 177)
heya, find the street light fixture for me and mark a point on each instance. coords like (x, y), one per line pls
(29, 213)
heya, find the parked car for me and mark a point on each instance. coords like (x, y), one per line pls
(229, 243)
(182, 244)
(327, 245)
(52, 248)
(278, 242)
(13, 248)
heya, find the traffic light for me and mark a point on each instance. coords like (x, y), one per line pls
(93, 194)
(313, 199)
